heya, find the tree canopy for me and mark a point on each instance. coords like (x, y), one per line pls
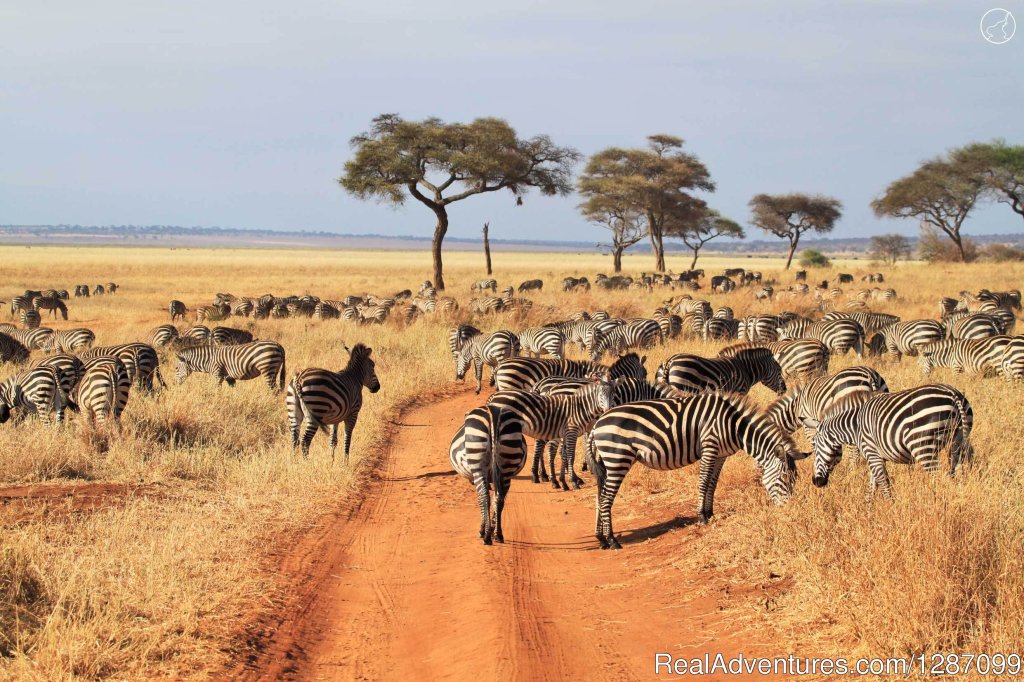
(889, 248)
(627, 225)
(655, 183)
(789, 216)
(440, 163)
(708, 225)
(1000, 167)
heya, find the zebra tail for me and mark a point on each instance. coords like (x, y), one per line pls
(594, 463)
(281, 376)
(962, 443)
(492, 426)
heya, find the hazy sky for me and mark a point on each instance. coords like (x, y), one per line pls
(238, 114)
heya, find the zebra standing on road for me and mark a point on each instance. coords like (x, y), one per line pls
(670, 434)
(489, 450)
(737, 374)
(905, 338)
(813, 399)
(102, 392)
(482, 350)
(36, 391)
(907, 427)
(839, 336)
(323, 399)
(558, 417)
(543, 340)
(235, 363)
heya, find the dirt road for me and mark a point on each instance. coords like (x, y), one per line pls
(401, 588)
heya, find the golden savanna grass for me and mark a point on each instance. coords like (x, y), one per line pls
(164, 582)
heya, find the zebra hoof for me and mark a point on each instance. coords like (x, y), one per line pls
(536, 478)
(577, 483)
(487, 540)
(703, 518)
(601, 541)
(613, 543)
(555, 484)
(543, 477)
(499, 538)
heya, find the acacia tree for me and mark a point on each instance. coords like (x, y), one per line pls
(940, 194)
(440, 163)
(626, 225)
(655, 183)
(1000, 167)
(889, 248)
(789, 216)
(707, 226)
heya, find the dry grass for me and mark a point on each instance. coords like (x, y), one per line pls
(158, 585)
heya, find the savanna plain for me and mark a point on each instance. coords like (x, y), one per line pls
(151, 552)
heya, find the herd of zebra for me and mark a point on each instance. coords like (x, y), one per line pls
(696, 410)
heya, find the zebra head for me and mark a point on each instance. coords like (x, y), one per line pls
(877, 345)
(360, 362)
(183, 368)
(629, 365)
(463, 358)
(837, 428)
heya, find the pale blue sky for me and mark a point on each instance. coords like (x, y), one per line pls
(238, 114)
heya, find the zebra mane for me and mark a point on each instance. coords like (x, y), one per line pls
(749, 411)
(359, 353)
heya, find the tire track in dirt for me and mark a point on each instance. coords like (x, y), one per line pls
(400, 587)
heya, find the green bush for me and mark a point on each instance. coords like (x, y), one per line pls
(812, 258)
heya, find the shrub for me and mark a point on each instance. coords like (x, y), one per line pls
(812, 258)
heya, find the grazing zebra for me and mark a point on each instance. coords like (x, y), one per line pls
(229, 336)
(814, 398)
(634, 334)
(12, 350)
(82, 290)
(971, 356)
(484, 285)
(69, 340)
(19, 303)
(582, 332)
(542, 340)
(177, 310)
(736, 374)
(670, 323)
(800, 359)
(112, 288)
(69, 370)
(489, 450)
(199, 332)
(51, 303)
(373, 314)
(103, 390)
(722, 284)
(30, 319)
(906, 427)
(720, 328)
(976, 326)
(839, 336)
(765, 293)
(523, 373)
(33, 339)
(759, 328)
(487, 305)
(1008, 300)
(325, 311)
(322, 399)
(669, 434)
(99, 290)
(871, 322)
(212, 312)
(558, 417)
(36, 391)
(140, 359)
(457, 336)
(163, 335)
(242, 307)
(724, 313)
(905, 338)
(235, 363)
(1012, 363)
(482, 350)
(577, 284)
(531, 285)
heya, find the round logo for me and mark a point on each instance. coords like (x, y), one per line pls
(998, 26)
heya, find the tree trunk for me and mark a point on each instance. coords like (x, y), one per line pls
(793, 241)
(959, 246)
(487, 247)
(658, 245)
(696, 250)
(439, 232)
(617, 258)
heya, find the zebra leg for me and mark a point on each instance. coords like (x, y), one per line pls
(552, 449)
(350, 427)
(710, 470)
(307, 434)
(879, 476)
(606, 499)
(538, 463)
(478, 368)
(499, 506)
(483, 496)
(332, 431)
(569, 459)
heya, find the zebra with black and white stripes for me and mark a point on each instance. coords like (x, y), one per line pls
(163, 335)
(839, 336)
(489, 450)
(485, 349)
(457, 336)
(672, 433)
(51, 303)
(70, 369)
(33, 339)
(1011, 365)
(322, 399)
(229, 336)
(71, 340)
(140, 359)
(558, 418)
(637, 334)
(30, 319)
(484, 285)
(971, 356)
(759, 328)
(20, 303)
(12, 350)
(799, 359)
(34, 391)
(871, 322)
(539, 341)
(235, 363)
(813, 399)
(531, 285)
(524, 373)
(905, 338)
(974, 326)
(102, 392)
(906, 427)
(718, 328)
(736, 374)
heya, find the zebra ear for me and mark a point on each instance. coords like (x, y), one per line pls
(796, 456)
(643, 359)
(810, 422)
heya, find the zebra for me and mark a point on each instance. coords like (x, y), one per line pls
(112, 288)
(12, 350)
(35, 391)
(724, 313)
(523, 373)
(542, 340)
(33, 339)
(972, 356)
(634, 334)
(839, 336)
(581, 332)
(736, 374)
(813, 399)
(558, 417)
(325, 311)
(140, 360)
(531, 285)
(199, 332)
(1008, 300)
(487, 305)
(489, 450)
(30, 319)
(482, 285)
(765, 293)
(242, 307)
(81, 290)
(720, 328)
(906, 427)
(722, 284)
(19, 303)
(322, 399)
(759, 328)
(103, 390)
(670, 323)
(229, 336)
(177, 310)
(905, 338)
(975, 326)
(69, 370)
(672, 433)
(577, 284)
(482, 350)
(871, 322)
(234, 363)
(68, 340)
(799, 359)
(1011, 366)
(99, 290)
(457, 336)
(51, 303)
(212, 312)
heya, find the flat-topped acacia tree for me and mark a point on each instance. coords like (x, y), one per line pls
(789, 216)
(439, 163)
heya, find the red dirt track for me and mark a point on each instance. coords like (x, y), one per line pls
(399, 587)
